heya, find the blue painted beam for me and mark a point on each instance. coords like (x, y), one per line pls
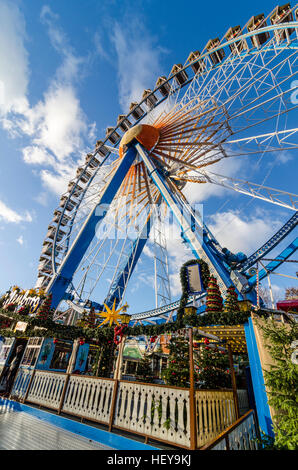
(272, 242)
(123, 277)
(261, 399)
(63, 278)
(285, 254)
(185, 221)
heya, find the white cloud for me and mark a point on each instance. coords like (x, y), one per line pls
(57, 126)
(196, 192)
(34, 155)
(242, 233)
(10, 216)
(138, 59)
(14, 70)
(57, 182)
(42, 198)
(60, 132)
(20, 240)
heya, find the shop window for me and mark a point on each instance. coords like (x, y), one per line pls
(92, 360)
(5, 350)
(131, 368)
(61, 355)
(31, 352)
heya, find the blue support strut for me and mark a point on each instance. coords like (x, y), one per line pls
(117, 288)
(198, 246)
(63, 278)
(284, 255)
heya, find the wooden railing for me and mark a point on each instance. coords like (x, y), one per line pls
(241, 435)
(21, 383)
(89, 397)
(215, 411)
(157, 412)
(154, 411)
(46, 389)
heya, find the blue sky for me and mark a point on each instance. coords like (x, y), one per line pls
(68, 69)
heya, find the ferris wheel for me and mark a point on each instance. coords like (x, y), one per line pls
(236, 99)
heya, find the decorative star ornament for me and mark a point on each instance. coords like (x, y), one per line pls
(111, 315)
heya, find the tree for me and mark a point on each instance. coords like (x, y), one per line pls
(212, 368)
(291, 293)
(282, 382)
(214, 299)
(231, 302)
(144, 370)
(44, 312)
(91, 318)
(177, 372)
(103, 363)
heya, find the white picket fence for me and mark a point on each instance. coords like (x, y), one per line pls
(46, 388)
(159, 412)
(241, 435)
(21, 383)
(215, 412)
(151, 410)
(89, 397)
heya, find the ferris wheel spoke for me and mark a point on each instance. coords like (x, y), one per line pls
(264, 70)
(247, 87)
(280, 136)
(274, 196)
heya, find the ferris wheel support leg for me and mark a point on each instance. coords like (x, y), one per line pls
(195, 240)
(117, 291)
(63, 278)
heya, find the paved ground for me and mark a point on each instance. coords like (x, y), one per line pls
(20, 431)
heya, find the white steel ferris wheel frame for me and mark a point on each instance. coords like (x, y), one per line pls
(103, 150)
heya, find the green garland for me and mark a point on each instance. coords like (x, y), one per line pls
(205, 274)
(104, 334)
(52, 329)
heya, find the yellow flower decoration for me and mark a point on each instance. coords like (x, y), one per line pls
(41, 292)
(111, 315)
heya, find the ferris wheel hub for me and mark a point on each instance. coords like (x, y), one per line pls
(147, 135)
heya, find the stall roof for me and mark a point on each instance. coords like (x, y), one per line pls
(234, 335)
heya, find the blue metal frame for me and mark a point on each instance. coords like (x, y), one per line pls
(285, 254)
(271, 243)
(261, 399)
(188, 232)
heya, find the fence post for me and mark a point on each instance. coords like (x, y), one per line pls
(113, 405)
(233, 379)
(63, 393)
(192, 398)
(117, 377)
(29, 386)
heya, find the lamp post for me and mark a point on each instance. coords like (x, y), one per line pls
(125, 319)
